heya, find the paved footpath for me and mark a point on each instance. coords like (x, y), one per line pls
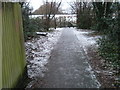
(68, 66)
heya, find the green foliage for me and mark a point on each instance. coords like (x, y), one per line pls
(26, 21)
(35, 24)
(30, 25)
(85, 21)
(109, 43)
(85, 15)
(109, 51)
(103, 11)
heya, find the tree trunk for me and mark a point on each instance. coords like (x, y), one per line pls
(55, 23)
(47, 24)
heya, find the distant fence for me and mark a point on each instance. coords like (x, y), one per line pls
(13, 54)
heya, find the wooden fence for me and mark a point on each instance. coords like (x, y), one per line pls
(13, 54)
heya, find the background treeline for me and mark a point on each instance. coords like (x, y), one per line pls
(31, 25)
(104, 17)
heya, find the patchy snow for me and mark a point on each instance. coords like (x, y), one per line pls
(92, 74)
(41, 33)
(85, 42)
(84, 39)
(38, 52)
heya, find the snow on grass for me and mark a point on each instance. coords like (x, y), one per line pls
(38, 52)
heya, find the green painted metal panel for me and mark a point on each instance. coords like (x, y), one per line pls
(13, 62)
(0, 45)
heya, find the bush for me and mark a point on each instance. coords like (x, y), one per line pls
(30, 25)
(108, 44)
(109, 51)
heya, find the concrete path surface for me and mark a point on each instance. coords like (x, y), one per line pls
(68, 65)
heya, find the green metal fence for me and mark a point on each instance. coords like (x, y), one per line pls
(13, 56)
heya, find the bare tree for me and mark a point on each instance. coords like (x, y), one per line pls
(49, 10)
(84, 11)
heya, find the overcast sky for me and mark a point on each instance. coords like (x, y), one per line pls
(36, 4)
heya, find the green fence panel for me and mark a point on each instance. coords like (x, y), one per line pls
(0, 45)
(13, 61)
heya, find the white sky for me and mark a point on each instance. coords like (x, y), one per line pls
(36, 4)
